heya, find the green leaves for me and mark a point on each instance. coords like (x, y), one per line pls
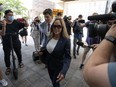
(15, 5)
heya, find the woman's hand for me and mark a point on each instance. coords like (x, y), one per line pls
(95, 46)
(60, 77)
(40, 53)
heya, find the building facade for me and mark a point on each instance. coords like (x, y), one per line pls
(38, 6)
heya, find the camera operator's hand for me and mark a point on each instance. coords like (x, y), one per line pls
(112, 31)
(94, 46)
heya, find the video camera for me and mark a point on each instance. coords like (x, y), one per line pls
(83, 45)
(103, 21)
(81, 21)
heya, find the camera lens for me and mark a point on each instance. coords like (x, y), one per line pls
(38, 21)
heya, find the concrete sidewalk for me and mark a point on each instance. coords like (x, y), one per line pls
(35, 74)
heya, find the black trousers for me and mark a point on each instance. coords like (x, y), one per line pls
(7, 52)
(53, 76)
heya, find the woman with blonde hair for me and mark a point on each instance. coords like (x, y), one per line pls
(58, 52)
(64, 33)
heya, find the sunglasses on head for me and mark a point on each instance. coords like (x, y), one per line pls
(57, 26)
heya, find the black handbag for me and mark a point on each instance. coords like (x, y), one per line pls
(35, 56)
(43, 56)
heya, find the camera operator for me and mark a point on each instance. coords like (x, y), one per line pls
(35, 33)
(92, 38)
(68, 23)
(12, 28)
(78, 33)
(99, 71)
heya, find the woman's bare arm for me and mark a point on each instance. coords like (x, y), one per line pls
(98, 62)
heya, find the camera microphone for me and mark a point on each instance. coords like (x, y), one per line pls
(103, 17)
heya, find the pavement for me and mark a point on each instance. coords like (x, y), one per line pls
(34, 74)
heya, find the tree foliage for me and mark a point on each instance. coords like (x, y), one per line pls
(15, 5)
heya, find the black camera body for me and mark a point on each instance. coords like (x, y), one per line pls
(81, 21)
(97, 29)
(102, 24)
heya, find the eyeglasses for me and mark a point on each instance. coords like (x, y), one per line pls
(57, 26)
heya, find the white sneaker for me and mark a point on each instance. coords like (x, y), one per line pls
(4, 82)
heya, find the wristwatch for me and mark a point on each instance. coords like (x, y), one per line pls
(111, 39)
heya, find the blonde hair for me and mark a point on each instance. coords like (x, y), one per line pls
(64, 33)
